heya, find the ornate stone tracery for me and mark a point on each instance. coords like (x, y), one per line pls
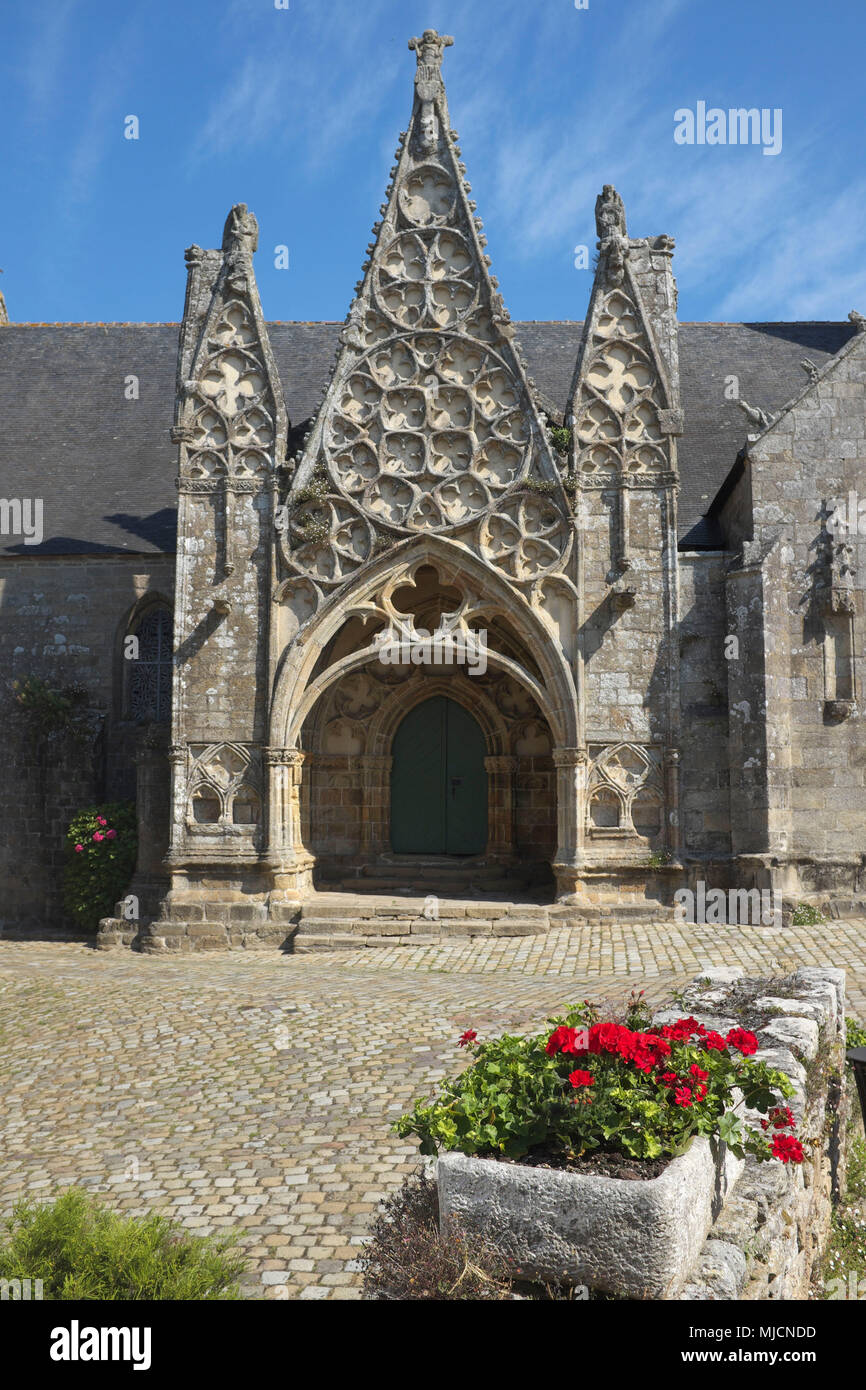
(429, 425)
(625, 791)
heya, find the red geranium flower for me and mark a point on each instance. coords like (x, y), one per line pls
(465, 1039)
(787, 1148)
(563, 1039)
(581, 1078)
(683, 1097)
(743, 1041)
(682, 1030)
(715, 1042)
(782, 1117)
(607, 1037)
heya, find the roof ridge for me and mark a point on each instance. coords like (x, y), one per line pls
(338, 323)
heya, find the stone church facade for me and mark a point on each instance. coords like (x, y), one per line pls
(670, 611)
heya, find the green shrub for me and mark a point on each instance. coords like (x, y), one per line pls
(610, 1087)
(81, 1250)
(101, 848)
(560, 437)
(855, 1034)
(51, 713)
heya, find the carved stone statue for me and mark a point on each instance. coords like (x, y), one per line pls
(611, 229)
(240, 234)
(842, 575)
(761, 419)
(809, 368)
(609, 213)
(858, 320)
(429, 50)
(428, 81)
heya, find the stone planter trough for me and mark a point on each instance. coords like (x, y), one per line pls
(636, 1238)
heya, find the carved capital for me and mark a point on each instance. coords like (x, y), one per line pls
(569, 757)
(671, 421)
(284, 757)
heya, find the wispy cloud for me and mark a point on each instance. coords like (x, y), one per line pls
(323, 100)
(102, 123)
(245, 112)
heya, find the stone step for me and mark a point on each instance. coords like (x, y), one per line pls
(316, 931)
(613, 912)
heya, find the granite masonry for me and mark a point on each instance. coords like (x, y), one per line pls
(668, 582)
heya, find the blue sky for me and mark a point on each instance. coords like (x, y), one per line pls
(296, 112)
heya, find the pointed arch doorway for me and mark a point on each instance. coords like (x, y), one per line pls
(438, 781)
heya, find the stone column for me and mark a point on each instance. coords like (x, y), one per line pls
(571, 774)
(500, 806)
(289, 857)
(672, 800)
(375, 804)
(177, 830)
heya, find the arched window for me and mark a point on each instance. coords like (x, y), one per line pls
(148, 667)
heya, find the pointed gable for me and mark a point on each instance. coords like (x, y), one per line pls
(428, 425)
(623, 401)
(231, 408)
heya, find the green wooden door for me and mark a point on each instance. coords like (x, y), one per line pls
(438, 782)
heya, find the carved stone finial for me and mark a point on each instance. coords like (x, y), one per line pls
(858, 321)
(612, 234)
(240, 234)
(428, 82)
(809, 368)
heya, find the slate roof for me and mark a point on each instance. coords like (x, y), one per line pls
(104, 466)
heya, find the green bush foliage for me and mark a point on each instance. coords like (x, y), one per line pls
(51, 713)
(101, 848)
(82, 1250)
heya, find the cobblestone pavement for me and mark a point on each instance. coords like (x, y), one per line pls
(256, 1091)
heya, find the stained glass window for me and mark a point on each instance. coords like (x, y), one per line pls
(148, 688)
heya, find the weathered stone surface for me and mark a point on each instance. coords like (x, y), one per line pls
(798, 1034)
(635, 1238)
(720, 1273)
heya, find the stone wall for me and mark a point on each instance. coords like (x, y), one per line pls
(768, 1241)
(800, 597)
(704, 774)
(62, 618)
